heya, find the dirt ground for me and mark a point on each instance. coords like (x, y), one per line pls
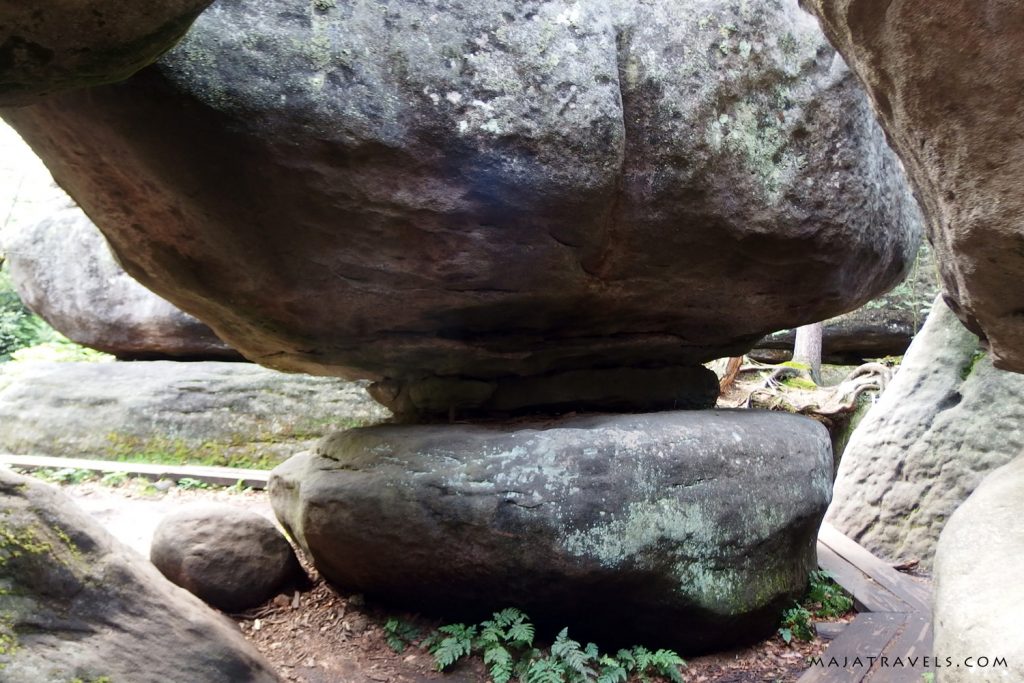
(326, 636)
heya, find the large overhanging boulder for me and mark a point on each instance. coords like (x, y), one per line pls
(453, 199)
(47, 46)
(945, 77)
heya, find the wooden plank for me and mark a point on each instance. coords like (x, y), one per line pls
(911, 647)
(908, 590)
(868, 594)
(223, 476)
(846, 659)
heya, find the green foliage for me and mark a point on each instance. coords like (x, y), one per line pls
(400, 634)
(19, 327)
(830, 600)
(967, 369)
(114, 479)
(455, 643)
(506, 643)
(825, 599)
(161, 450)
(799, 383)
(188, 483)
(65, 475)
(59, 349)
(796, 623)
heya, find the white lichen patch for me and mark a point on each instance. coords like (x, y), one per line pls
(641, 526)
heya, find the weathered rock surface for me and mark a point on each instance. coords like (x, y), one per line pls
(944, 77)
(218, 412)
(230, 558)
(979, 596)
(882, 327)
(701, 524)
(75, 604)
(54, 45)
(947, 420)
(490, 189)
(63, 270)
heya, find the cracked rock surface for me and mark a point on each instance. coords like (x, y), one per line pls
(700, 525)
(493, 189)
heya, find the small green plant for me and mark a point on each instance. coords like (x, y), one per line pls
(188, 483)
(796, 623)
(64, 475)
(400, 634)
(506, 644)
(825, 599)
(828, 599)
(114, 479)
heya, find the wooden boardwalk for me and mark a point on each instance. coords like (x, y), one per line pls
(894, 620)
(223, 476)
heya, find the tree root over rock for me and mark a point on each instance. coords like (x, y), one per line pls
(788, 387)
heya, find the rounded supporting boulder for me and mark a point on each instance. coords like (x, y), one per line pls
(690, 530)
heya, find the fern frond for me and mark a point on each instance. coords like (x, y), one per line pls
(568, 651)
(457, 645)
(626, 658)
(509, 616)
(667, 663)
(500, 662)
(612, 674)
(545, 670)
(520, 633)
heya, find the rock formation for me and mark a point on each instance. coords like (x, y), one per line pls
(75, 604)
(496, 190)
(689, 530)
(978, 592)
(217, 412)
(54, 45)
(63, 270)
(944, 77)
(947, 420)
(230, 558)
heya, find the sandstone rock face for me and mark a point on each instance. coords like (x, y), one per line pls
(63, 270)
(77, 605)
(702, 525)
(947, 420)
(882, 327)
(217, 412)
(490, 189)
(944, 77)
(230, 558)
(54, 45)
(978, 593)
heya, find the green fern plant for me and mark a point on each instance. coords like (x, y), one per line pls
(456, 642)
(400, 634)
(506, 643)
(796, 623)
(830, 599)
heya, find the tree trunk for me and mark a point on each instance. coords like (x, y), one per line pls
(807, 349)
